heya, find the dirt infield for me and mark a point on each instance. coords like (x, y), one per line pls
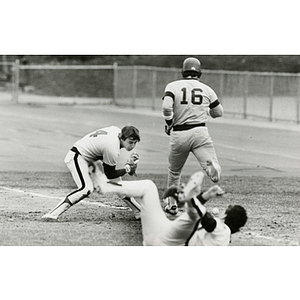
(261, 171)
(272, 206)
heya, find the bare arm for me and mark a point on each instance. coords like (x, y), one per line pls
(217, 111)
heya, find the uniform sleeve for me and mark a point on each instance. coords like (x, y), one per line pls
(111, 172)
(214, 104)
(167, 108)
(213, 98)
(168, 92)
(110, 156)
(208, 222)
(167, 105)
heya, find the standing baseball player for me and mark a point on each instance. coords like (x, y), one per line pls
(194, 227)
(83, 161)
(187, 103)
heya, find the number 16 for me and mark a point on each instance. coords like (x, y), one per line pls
(196, 96)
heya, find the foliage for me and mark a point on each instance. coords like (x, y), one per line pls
(261, 63)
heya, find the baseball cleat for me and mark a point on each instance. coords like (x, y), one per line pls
(220, 192)
(173, 210)
(137, 215)
(134, 206)
(212, 171)
(49, 217)
(192, 188)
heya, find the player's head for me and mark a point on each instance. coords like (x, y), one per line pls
(130, 132)
(129, 136)
(191, 67)
(235, 217)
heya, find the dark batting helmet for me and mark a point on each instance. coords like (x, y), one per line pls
(191, 67)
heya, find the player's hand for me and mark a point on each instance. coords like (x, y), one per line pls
(214, 191)
(131, 164)
(134, 156)
(168, 129)
(174, 191)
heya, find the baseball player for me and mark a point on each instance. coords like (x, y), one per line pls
(187, 103)
(83, 161)
(194, 227)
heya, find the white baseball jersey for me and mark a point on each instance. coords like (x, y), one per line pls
(220, 236)
(191, 100)
(103, 144)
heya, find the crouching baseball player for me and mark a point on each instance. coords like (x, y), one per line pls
(102, 145)
(195, 227)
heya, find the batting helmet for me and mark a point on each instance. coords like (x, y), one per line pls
(191, 67)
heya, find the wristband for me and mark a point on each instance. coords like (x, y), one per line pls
(200, 198)
(127, 168)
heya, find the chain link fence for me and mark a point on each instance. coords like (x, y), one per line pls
(267, 96)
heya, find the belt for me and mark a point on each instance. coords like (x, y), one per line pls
(187, 126)
(74, 149)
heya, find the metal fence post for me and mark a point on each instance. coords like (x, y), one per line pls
(115, 83)
(175, 73)
(221, 92)
(271, 97)
(134, 86)
(245, 94)
(298, 100)
(154, 79)
(16, 81)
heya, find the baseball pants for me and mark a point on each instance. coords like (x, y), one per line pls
(197, 141)
(79, 169)
(157, 229)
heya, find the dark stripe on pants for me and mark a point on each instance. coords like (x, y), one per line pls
(80, 177)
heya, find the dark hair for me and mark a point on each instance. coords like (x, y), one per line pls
(191, 73)
(130, 132)
(236, 217)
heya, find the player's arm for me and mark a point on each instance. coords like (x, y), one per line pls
(196, 208)
(167, 106)
(208, 222)
(167, 110)
(130, 167)
(111, 172)
(216, 109)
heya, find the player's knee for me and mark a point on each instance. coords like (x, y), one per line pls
(149, 186)
(88, 189)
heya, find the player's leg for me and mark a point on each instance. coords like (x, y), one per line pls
(95, 170)
(186, 224)
(79, 169)
(133, 205)
(204, 151)
(154, 221)
(179, 152)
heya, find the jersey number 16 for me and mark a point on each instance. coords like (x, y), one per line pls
(196, 96)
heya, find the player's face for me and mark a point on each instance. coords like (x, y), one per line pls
(129, 144)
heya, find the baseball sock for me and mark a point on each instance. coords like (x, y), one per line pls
(61, 207)
(132, 203)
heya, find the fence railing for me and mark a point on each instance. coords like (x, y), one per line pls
(263, 95)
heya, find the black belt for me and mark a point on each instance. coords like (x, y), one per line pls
(74, 149)
(187, 126)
